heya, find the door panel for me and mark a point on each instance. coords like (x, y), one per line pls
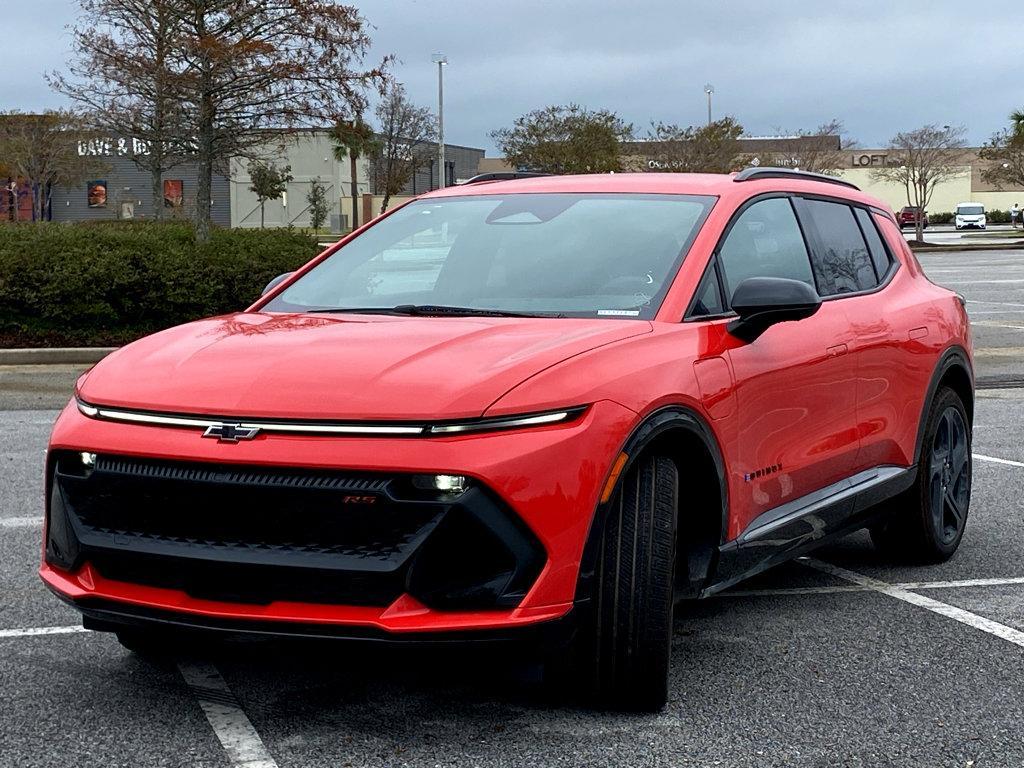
(796, 399)
(795, 384)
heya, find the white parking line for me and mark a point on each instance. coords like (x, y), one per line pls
(998, 460)
(825, 589)
(22, 522)
(976, 621)
(233, 728)
(21, 632)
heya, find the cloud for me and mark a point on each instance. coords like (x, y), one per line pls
(878, 66)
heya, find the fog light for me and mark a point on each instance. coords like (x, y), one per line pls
(88, 459)
(448, 484)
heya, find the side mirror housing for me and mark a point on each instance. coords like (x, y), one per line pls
(276, 282)
(763, 302)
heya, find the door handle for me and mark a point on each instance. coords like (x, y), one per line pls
(836, 350)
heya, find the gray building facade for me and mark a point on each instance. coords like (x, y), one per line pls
(122, 190)
(461, 163)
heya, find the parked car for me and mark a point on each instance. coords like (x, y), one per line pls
(546, 409)
(970, 216)
(908, 216)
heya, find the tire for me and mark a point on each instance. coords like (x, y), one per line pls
(926, 523)
(624, 644)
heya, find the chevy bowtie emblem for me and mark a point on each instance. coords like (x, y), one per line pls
(230, 433)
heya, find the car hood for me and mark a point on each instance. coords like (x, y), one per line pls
(341, 366)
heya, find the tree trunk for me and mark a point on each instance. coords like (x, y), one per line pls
(355, 191)
(262, 219)
(384, 203)
(156, 171)
(204, 138)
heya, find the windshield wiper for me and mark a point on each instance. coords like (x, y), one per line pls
(428, 310)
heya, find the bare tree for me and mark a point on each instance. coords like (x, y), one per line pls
(925, 158)
(249, 65)
(404, 142)
(713, 148)
(124, 76)
(566, 139)
(43, 151)
(821, 151)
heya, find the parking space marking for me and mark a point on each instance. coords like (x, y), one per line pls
(22, 632)
(824, 589)
(22, 522)
(971, 619)
(998, 460)
(232, 726)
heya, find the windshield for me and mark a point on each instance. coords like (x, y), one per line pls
(580, 255)
(970, 210)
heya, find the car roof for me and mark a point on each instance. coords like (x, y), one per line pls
(654, 183)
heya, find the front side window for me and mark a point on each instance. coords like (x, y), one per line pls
(765, 242)
(842, 263)
(578, 255)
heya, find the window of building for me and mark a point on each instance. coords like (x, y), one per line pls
(842, 264)
(765, 242)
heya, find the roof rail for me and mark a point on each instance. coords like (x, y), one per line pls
(501, 176)
(749, 174)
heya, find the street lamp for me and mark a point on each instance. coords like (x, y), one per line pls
(709, 89)
(440, 59)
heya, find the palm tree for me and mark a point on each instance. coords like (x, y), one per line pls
(1017, 118)
(353, 138)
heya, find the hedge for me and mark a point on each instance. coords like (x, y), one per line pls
(106, 284)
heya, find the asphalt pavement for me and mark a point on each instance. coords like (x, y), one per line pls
(844, 659)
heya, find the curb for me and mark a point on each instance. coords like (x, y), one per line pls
(1015, 245)
(51, 355)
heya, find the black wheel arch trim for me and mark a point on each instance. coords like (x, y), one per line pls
(658, 423)
(954, 356)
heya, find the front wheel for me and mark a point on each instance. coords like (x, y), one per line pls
(927, 522)
(621, 655)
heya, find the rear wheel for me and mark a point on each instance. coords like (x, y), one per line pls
(927, 521)
(621, 655)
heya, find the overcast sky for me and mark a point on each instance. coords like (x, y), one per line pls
(879, 67)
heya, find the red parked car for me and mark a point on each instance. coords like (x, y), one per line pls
(548, 408)
(909, 215)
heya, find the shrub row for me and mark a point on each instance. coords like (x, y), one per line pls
(72, 284)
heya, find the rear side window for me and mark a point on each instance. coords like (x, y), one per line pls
(765, 242)
(842, 264)
(879, 256)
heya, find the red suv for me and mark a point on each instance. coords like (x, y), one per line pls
(547, 408)
(908, 216)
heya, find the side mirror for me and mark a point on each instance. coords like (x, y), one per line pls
(276, 282)
(763, 302)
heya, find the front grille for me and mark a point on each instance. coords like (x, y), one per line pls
(257, 534)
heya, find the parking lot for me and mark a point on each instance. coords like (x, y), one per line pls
(836, 660)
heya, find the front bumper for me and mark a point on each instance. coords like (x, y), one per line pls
(546, 480)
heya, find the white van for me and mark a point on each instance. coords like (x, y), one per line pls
(970, 215)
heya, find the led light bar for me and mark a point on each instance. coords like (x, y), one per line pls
(330, 428)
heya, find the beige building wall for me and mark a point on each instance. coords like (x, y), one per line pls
(947, 195)
(311, 157)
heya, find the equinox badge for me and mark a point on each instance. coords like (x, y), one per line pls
(230, 433)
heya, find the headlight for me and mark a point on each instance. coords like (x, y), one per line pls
(507, 423)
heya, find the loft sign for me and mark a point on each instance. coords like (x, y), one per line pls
(109, 146)
(865, 160)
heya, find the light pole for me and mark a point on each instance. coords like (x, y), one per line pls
(709, 89)
(440, 59)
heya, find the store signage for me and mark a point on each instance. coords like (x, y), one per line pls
(109, 147)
